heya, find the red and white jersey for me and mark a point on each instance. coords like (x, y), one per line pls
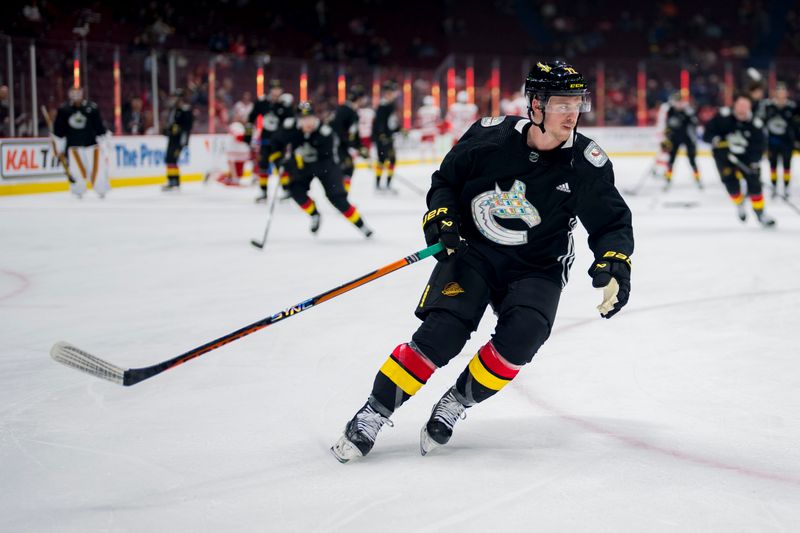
(237, 151)
(428, 118)
(516, 107)
(461, 116)
(366, 115)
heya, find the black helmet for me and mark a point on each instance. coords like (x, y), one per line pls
(305, 109)
(275, 83)
(356, 92)
(555, 78)
(390, 85)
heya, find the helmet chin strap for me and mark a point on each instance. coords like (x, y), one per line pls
(540, 125)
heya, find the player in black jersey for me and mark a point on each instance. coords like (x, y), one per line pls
(178, 129)
(737, 142)
(273, 113)
(504, 203)
(79, 133)
(314, 155)
(385, 125)
(779, 115)
(345, 125)
(681, 126)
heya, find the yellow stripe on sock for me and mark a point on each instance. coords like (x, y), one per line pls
(400, 377)
(757, 204)
(484, 377)
(354, 217)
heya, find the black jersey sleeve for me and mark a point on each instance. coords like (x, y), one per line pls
(604, 213)
(712, 133)
(96, 121)
(61, 126)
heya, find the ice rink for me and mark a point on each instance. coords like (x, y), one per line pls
(680, 414)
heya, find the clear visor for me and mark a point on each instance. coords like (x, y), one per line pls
(563, 106)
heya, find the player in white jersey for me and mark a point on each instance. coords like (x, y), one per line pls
(429, 117)
(515, 106)
(366, 116)
(461, 116)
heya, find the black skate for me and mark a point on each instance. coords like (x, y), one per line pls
(172, 185)
(315, 221)
(365, 230)
(261, 198)
(360, 432)
(439, 428)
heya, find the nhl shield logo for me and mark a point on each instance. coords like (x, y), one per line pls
(511, 204)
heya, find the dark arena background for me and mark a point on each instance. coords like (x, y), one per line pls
(150, 213)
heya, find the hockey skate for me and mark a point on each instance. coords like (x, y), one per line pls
(366, 231)
(261, 198)
(315, 222)
(360, 432)
(741, 212)
(439, 428)
(764, 219)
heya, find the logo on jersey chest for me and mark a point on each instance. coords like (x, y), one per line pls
(77, 121)
(487, 207)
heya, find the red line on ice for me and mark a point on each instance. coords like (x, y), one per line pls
(24, 284)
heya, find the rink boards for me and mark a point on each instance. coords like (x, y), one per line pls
(29, 166)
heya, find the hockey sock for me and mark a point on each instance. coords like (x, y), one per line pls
(401, 376)
(263, 179)
(787, 177)
(347, 180)
(487, 373)
(309, 207)
(668, 174)
(173, 175)
(737, 198)
(378, 172)
(352, 214)
(284, 179)
(389, 172)
(757, 201)
(773, 176)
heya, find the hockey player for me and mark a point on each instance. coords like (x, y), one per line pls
(737, 142)
(345, 126)
(778, 114)
(512, 189)
(366, 116)
(384, 127)
(80, 134)
(237, 154)
(429, 117)
(461, 115)
(314, 156)
(273, 113)
(179, 127)
(680, 129)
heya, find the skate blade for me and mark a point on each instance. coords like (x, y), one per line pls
(426, 443)
(345, 451)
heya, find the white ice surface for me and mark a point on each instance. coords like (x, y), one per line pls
(680, 414)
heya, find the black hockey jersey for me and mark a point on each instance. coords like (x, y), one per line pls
(317, 147)
(386, 122)
(681, 123)
(345, 125)
(80, 124)
(779, 120)
(744, 139)
(274, 114)
(518, 206)
(179, 124)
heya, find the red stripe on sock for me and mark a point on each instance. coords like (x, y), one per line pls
(307, 204)
(756, 197)
(350, 211)
(493, 361)
(415, 362)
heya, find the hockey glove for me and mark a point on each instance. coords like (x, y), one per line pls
(248, 134)
(612, 273)
(441, 226)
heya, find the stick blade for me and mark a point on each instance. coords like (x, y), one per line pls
(257, 244)
(69, 355)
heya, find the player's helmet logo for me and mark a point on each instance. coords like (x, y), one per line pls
(511, 204)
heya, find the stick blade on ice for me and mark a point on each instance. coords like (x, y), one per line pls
(69, 355)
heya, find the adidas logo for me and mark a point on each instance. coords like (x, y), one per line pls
(564, 187)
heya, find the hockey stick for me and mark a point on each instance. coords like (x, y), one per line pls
(74, 357)
(272, 201)
(408, 183)
(649, 173)
(792, 205)
(61, 158)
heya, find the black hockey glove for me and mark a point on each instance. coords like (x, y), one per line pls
(440, 225)
(248, 134)
(612, 273)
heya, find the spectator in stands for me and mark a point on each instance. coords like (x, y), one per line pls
(133, 117)
(5, 116)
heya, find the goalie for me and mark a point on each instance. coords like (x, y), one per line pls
(79, 137)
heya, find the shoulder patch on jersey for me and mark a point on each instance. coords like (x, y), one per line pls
(288, 123)
(521, 124)
(488, 122)
(325, 130)
(724, 111)
(595, 155)
(758, 123)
